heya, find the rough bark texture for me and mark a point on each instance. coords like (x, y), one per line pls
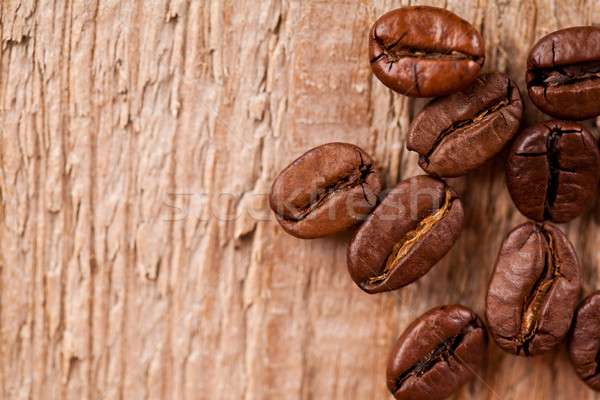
(139, 257)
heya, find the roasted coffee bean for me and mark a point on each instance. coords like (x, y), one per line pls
(533, 290)
(563, 73)
(425, 51)
(437, 354)
(455, 134)
(415, 225)
(326, 190)
(584, 341)
(552, 170)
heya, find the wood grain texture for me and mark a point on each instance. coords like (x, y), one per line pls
(139, 258)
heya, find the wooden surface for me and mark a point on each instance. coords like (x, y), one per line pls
(139, 257)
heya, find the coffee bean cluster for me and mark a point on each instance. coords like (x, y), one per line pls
(552, 169)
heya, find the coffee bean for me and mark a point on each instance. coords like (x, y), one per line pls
(584, 341)
(437, 354)
(425, 51)
(533, 290)
(415, 225)
(563, 73)
(326, 190)
(552, 170)
(479, 121)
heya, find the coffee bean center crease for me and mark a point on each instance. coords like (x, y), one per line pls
(478, 118)
(407, 242)
(356, 178)
(597, 371)
(552, 154)
(393, 54)
(565, 74)
(441, 353)
(531, 307)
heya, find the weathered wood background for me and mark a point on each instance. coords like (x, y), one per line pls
(139, 259)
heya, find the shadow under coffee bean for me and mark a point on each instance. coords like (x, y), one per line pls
(533, 290)
(325, 191)
(425, 51)
(412, 228)
(552, 170)
(437, 354)
(478, 121)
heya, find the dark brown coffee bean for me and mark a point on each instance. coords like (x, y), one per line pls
(437, 354)
(425, 51)
(477, 121)
(533, 290)
(552, 170)
(584, 341)
(563, 73)
(326, 190)
(415, 225)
